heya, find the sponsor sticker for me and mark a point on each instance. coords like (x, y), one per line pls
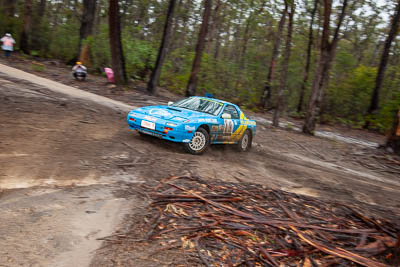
(247, 122)
(189, 128)
(150, 118)
(159, 112)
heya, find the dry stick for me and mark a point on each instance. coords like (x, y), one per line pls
(155, 225)
(274, 223)
(203, 259)
(268, 256)
(338, 251)
(370, 221)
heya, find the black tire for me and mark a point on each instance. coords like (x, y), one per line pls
(199, 143)
(244, 143)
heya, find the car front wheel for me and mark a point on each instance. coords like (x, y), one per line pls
(199, 143)
(244, 143)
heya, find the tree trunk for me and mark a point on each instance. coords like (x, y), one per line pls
(374, 105)
(117, 56)
(185, 21)
(265, 101)
(192, 84)
(24, 46)
(9, 8)
(308, 59)
(393, 140)
(248, 33)
(328, 51)
(9, 11)
(281, 104)
(155, 75)
(214, 25)
(219, 30)
(37, 21)
(87, 22)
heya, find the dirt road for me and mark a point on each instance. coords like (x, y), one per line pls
(65, 159)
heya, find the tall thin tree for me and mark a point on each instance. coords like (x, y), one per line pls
(213, 25)
(36, 42)
(117, 55)
(327, 54)
(265, 101)
(192, 84)
(162, 52)
(308, 58)
(9, 7)
(374, 105)
(393, 140)
(282, 95)
(86, 29)
(24, 46)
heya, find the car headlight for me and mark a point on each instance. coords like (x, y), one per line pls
(171, 124)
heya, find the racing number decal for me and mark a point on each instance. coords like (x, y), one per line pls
(228, 128)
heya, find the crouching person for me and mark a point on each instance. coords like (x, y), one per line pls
(79, 71)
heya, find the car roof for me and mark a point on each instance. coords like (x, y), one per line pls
(215, 99)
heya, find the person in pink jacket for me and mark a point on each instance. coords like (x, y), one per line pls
(8, 44)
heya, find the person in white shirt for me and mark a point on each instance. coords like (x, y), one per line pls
(8, 44)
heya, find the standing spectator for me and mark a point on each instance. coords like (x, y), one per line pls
(8, 44)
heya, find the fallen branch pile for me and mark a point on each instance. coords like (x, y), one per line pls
(231, 224)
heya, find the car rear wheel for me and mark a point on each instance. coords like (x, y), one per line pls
(199, 143)
(244, 143)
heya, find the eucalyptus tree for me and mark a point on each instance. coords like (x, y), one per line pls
(308, 57)
(40, 10)
(155, 75)
(283, 88)
(265, 101)
(192, 84)
(86, 29)
(321, 75)
(393, 140)
(9, 8)
(117, 55)
(26, 30)
(374, 105)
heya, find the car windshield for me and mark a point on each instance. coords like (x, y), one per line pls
(200, 104)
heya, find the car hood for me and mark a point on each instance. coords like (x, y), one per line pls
(171, 113)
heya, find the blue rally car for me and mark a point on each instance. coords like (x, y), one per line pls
(196, 122)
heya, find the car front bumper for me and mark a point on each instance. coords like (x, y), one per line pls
(177, 134)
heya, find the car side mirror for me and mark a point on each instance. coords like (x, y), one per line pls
(170, 103)
(226, 116)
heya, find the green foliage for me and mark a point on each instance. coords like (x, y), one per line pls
(35, 53)
(140, 56)
(100, 49)
(36, 66)
(383, 120)
(64, 42)
(351, 97)
(176, 71)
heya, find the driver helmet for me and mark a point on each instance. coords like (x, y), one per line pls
(78, 63)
